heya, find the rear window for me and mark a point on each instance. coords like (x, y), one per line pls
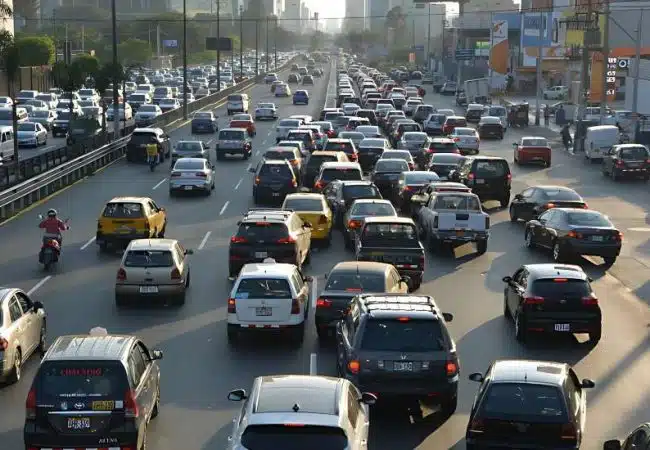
(523, 400)
(346, 147)
(561, 288)
(634, 153)
(149, 258)
(203, 115)
(231, 135)
(561, 195)
(420, 177)
(400, 232)
(140, 137)
(446, 159)
(459, 202)
(442, 147)
(341, 174)
(276, 154)
(386, 165)
(304, 204)
(398, 336)
(333, 115)
(373, 209)
(263, 288)
(299, 135)
(461, 132)
(489, 169)
(293, 437)
(264, 231)
(457, 122)
(289, 123)
(276, 170)
(360, 191)
(356, 282)
(534, 142)
(588, 219)
(184, 164)
(188, 147)
(234, 98)
(123, 211)
(317, 160)
(497, 111)
(77, 380)
(61, 115)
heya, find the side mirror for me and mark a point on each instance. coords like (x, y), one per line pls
(507, 279)
(237, 395)
(448, 316)
(213, 167)
(518, 197)
(251, 170)
(38, 305)
(587, 383)
(163, 209)
(368, 399)
(613, 444)
(40, 216)
(189, 252)
(156, 355)
(514, 144)
(477, 377)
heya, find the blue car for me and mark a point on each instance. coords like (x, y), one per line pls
(301, 98)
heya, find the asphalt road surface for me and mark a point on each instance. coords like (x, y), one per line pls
(199, 368)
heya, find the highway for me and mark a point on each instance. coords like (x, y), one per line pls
(199, 368)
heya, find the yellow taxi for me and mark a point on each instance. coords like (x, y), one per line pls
(126, 218)
(312, 208)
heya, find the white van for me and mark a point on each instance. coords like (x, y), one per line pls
(237, 103)
(599, 140)
(6, 144)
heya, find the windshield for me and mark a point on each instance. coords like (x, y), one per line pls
(420, 177)
(497, 111)
(341, 174)
(367, 209)
(26, 127)
(86, 92)
(562, 289)
(184, 164)
(457, 122)
(262, 231)
(392, 232)
(384, 165)
(634, 153)
(398, 336)
(523, 401)
(6, 115)
(234, 98)
(588, 219)
(459, 202)
(44, 97)
(137, 97)
(147, 108)
(360, 191)
(487, 169)
(232, 135)
(536, 142)
(189, 147)
(275, 437)
(149, 258)
(78, 380)
(263, 288)
(561, 195)
(355, 282)
(63, 115)
(352, 135)
(304, 204)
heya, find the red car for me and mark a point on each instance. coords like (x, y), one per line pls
(243, 121)
(531, 150)
(452, 122)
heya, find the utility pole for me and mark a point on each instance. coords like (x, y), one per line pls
(428, 58)
(218, 37)
(257, 47)
(241, 42)
(584, 78)
(158, 49)
(275, 45)
(637, 67)
(605, 53)
(459, 42)
(184, 59)
(83, 38)
(540, 50)
(116, 85)
(268, 57)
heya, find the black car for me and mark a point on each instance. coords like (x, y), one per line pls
(386, 175)
(274, 179)
(368, 114)
(398, 346)
(527, 404)
(489, 177)
(345, 281)
(443, 163)
(442, 145)
(569, 232)
(490, 127)
(532, 202)
(627, 160)
(551, 299)
(95, 390)
(62, 122)
(83, 129)
(294, 78)
(204, 122)
(340, 195)
(409, 184)
(308, 80)
(639, 439)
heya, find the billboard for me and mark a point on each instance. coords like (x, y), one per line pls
(544, 27)
(499, 49)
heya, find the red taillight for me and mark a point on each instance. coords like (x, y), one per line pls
(354, 366)
(201, 174)
(323, 303)
(4, 344)
(618, 236)
(319, 185)
(534, 300)
(30, 404)
(352, 157)
(295, 306)
(569, 432)
(121, 275)
(470, 177)
(330, 133)
(257, 180)
(590, 300)
(176, 274)
(232, 306)
(175, 174)
(574, 235)
(287, 240)
(620, 164)
(509, 177)
(130, 404)
(322, 220)
(238, 240)
(456, 139)
(354, 224)
(451, 368)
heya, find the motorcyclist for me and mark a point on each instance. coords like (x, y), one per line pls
(566, 136)
(152, 152)
(53, 227)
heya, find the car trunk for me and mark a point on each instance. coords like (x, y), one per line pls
(368, 156)
(443, 169)
(525, 433)
(536, 152)
(148, 268)
(562, 295)
(189, 177)
(492, 129)
(469, 141)
(405, 258)
(461, 221)
(256, 242)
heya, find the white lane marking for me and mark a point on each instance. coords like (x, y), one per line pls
(238, 183)
(90, 241)
(249, 167)
(207, 144)
(159, 183)
(204, 240)
(223, 208)
(314, 294)
(39, 285)
(643, 229)
(313, 364)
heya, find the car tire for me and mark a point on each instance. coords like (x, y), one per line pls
(513, 214)
(481, 247)
(42, 338)
(609, 261)
(233, 334)
(505, 200)
(528, 239)
(506, 310)
(180, 299)
(17, 368)
(298, 335)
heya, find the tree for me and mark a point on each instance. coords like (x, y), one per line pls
(134, 51)
(5, 10)
(35, 50)
(11, 63)
(86, 65)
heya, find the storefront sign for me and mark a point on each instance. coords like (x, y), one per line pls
(612, 66)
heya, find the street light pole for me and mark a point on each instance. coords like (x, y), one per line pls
(257, 56)
(540, 49)
(116, 105)
(428, 58)
(241, 42)
(275, 45)
(218, 37)
(184, 59)
(267, 45)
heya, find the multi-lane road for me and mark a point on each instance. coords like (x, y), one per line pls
(199, 368)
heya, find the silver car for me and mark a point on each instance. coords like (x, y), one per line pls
(234, 141)
(192, 175)
(327, 412)
(31, 134)
(190, 149)
(22, 331)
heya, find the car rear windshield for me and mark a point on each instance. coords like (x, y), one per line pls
(522, 401)
(234, 98)
(390, 233)
(352, 135)
(299, 135)
(465, 132)
(304, 204)
(315, 161)
(147, 109)
(262, 231)
(141, 137)
(403, 336)
(346, 147)
(446, 159)
(458, 202)
(231, 135)
(385, 165)
(77, 380)
(420, 177)
(416, 137)
(561, 288)
(289, 123)
(449, 147)
(561, 195)
(341, 174)
(333, 115)
(356, 282)
(373, 209)
(491, 169)
(184, 164)
(497, 111)
(60, 115)
(634, 153)
(360, 191)
(123, 211)
(409, 127)
(457, 122)
(263, 288)
(149, 258)
(293, 437)
(278, 154)
(588, 219)
(276, 171)
(537, 142)
(188, 147)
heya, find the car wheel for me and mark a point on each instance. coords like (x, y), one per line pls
(448, 405)
(595, 336)
(609, 261)
(505, 200)
(528, 237)
(42, 339)
(513, 214)
(481, 247)
(506, 309)
(156, 406)
(120, 301)
(298, 335)
(17, 368)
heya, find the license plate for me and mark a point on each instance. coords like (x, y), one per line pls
(597, 238)
(187, 188)
(403, 366)
(261, 255)
(148, 289)
(480, 181)
(103, 405)
(78, 423)
(263, 311)
(562, 327)
(125, 230)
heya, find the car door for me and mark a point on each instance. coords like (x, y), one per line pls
(513, 290)
(345, 336)
(355, 419)
(302, 289)
(541, 232)
(524, 204)
(608, 159)
(31, 321)
(143, 384)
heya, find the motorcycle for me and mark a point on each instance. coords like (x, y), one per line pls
(50, 251)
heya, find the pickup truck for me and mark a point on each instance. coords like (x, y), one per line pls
(393, 240)
(453, 219)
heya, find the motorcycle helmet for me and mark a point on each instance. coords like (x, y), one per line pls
(51, 212)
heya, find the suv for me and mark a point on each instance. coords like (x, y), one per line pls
(398, 345)
(551, 298)
(341, 194)
(136, 149)
(237, 103)
(489, 177)
(269, 233)
(96, 390)
(232, 141)
(269, 296)
(274, 179)
(299, 411)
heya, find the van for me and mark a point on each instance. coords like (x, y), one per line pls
(599, 139)
(237, 103)
(6, 144)
(7, 116)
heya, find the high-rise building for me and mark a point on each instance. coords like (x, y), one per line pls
(356, 12)
(279, 7)
(305, 17)
(377, 10)
(292, 16)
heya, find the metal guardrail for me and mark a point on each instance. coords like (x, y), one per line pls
(72, 163)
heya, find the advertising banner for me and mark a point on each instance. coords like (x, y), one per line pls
(499, 49)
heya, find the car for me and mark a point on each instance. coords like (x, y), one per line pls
(126, 112)
(192, 175)
(23, 331)
(306, 136)
(204, 122)
(330, 171)
(497, 111)
(269, 233)
(521, 398)
(533, 201)
(270, 78)
(190, 149)
(138, 99)
(451, 122)
(532, 149)
(399, 126)
(307, 80)
(237, 103)
(474, 112)
(301, 97)
(490, 126)
(443, 163)
(298, 145)
(367, 114)
(345, 281)
(350, 109)
(274, 179)
(144, 220)
(61, 123)
(556, 93)
(153, 269)
(627, 160)
(311, 168)
(340, 194)
(266, 111)
(24, 95)
(422, 113)
(147, 114)
(418, 354)
(99, 368)
(243, 121)
(293, 78)
(303, 71)
(45, 118)
(275, 84)
(233, 141)
(357, 213)
(411, 105)
(488, 176)
(442, 145)
(31, 134)
(312, 208)
(283, 128)
(411, 182)
(318, 134)
(291, 154)
(335, 416)
(434, 123)
(386, 174)
(294, 67)
(399, 154)
(36, 105)
(342, 145)
(639, 438)
(330, 113)
(415, 142)
(136, 148)
(467, 140)
(569, 232)
(355, 136)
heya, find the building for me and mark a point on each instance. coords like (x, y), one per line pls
(305, 17)
(8, 22)
(291, 18)
(332, 25)
(356, 15)
(377, 10)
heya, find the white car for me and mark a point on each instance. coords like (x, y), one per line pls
(466, 139)
(6, 102)
(369, 131)
(169, 104)
(147, 114)
(497, 111)
(282, 90)
(284, 126)
(125, 112)
(556, 93)
(267, 296)
(31, 134)
(411, 105)
(266, 111)
(355, 136)
(350, 109)
(192, 175)
(88, 94)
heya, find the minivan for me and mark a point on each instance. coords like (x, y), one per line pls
(599, 139)
(237, 103)
(6, 143)
(7, 116)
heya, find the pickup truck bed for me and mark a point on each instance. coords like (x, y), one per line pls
(408, 261)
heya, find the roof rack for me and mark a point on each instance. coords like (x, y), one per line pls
(268, 210)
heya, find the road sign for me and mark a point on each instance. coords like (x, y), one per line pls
(418, 48)
(463, 54)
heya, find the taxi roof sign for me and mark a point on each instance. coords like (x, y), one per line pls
(98, 331)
